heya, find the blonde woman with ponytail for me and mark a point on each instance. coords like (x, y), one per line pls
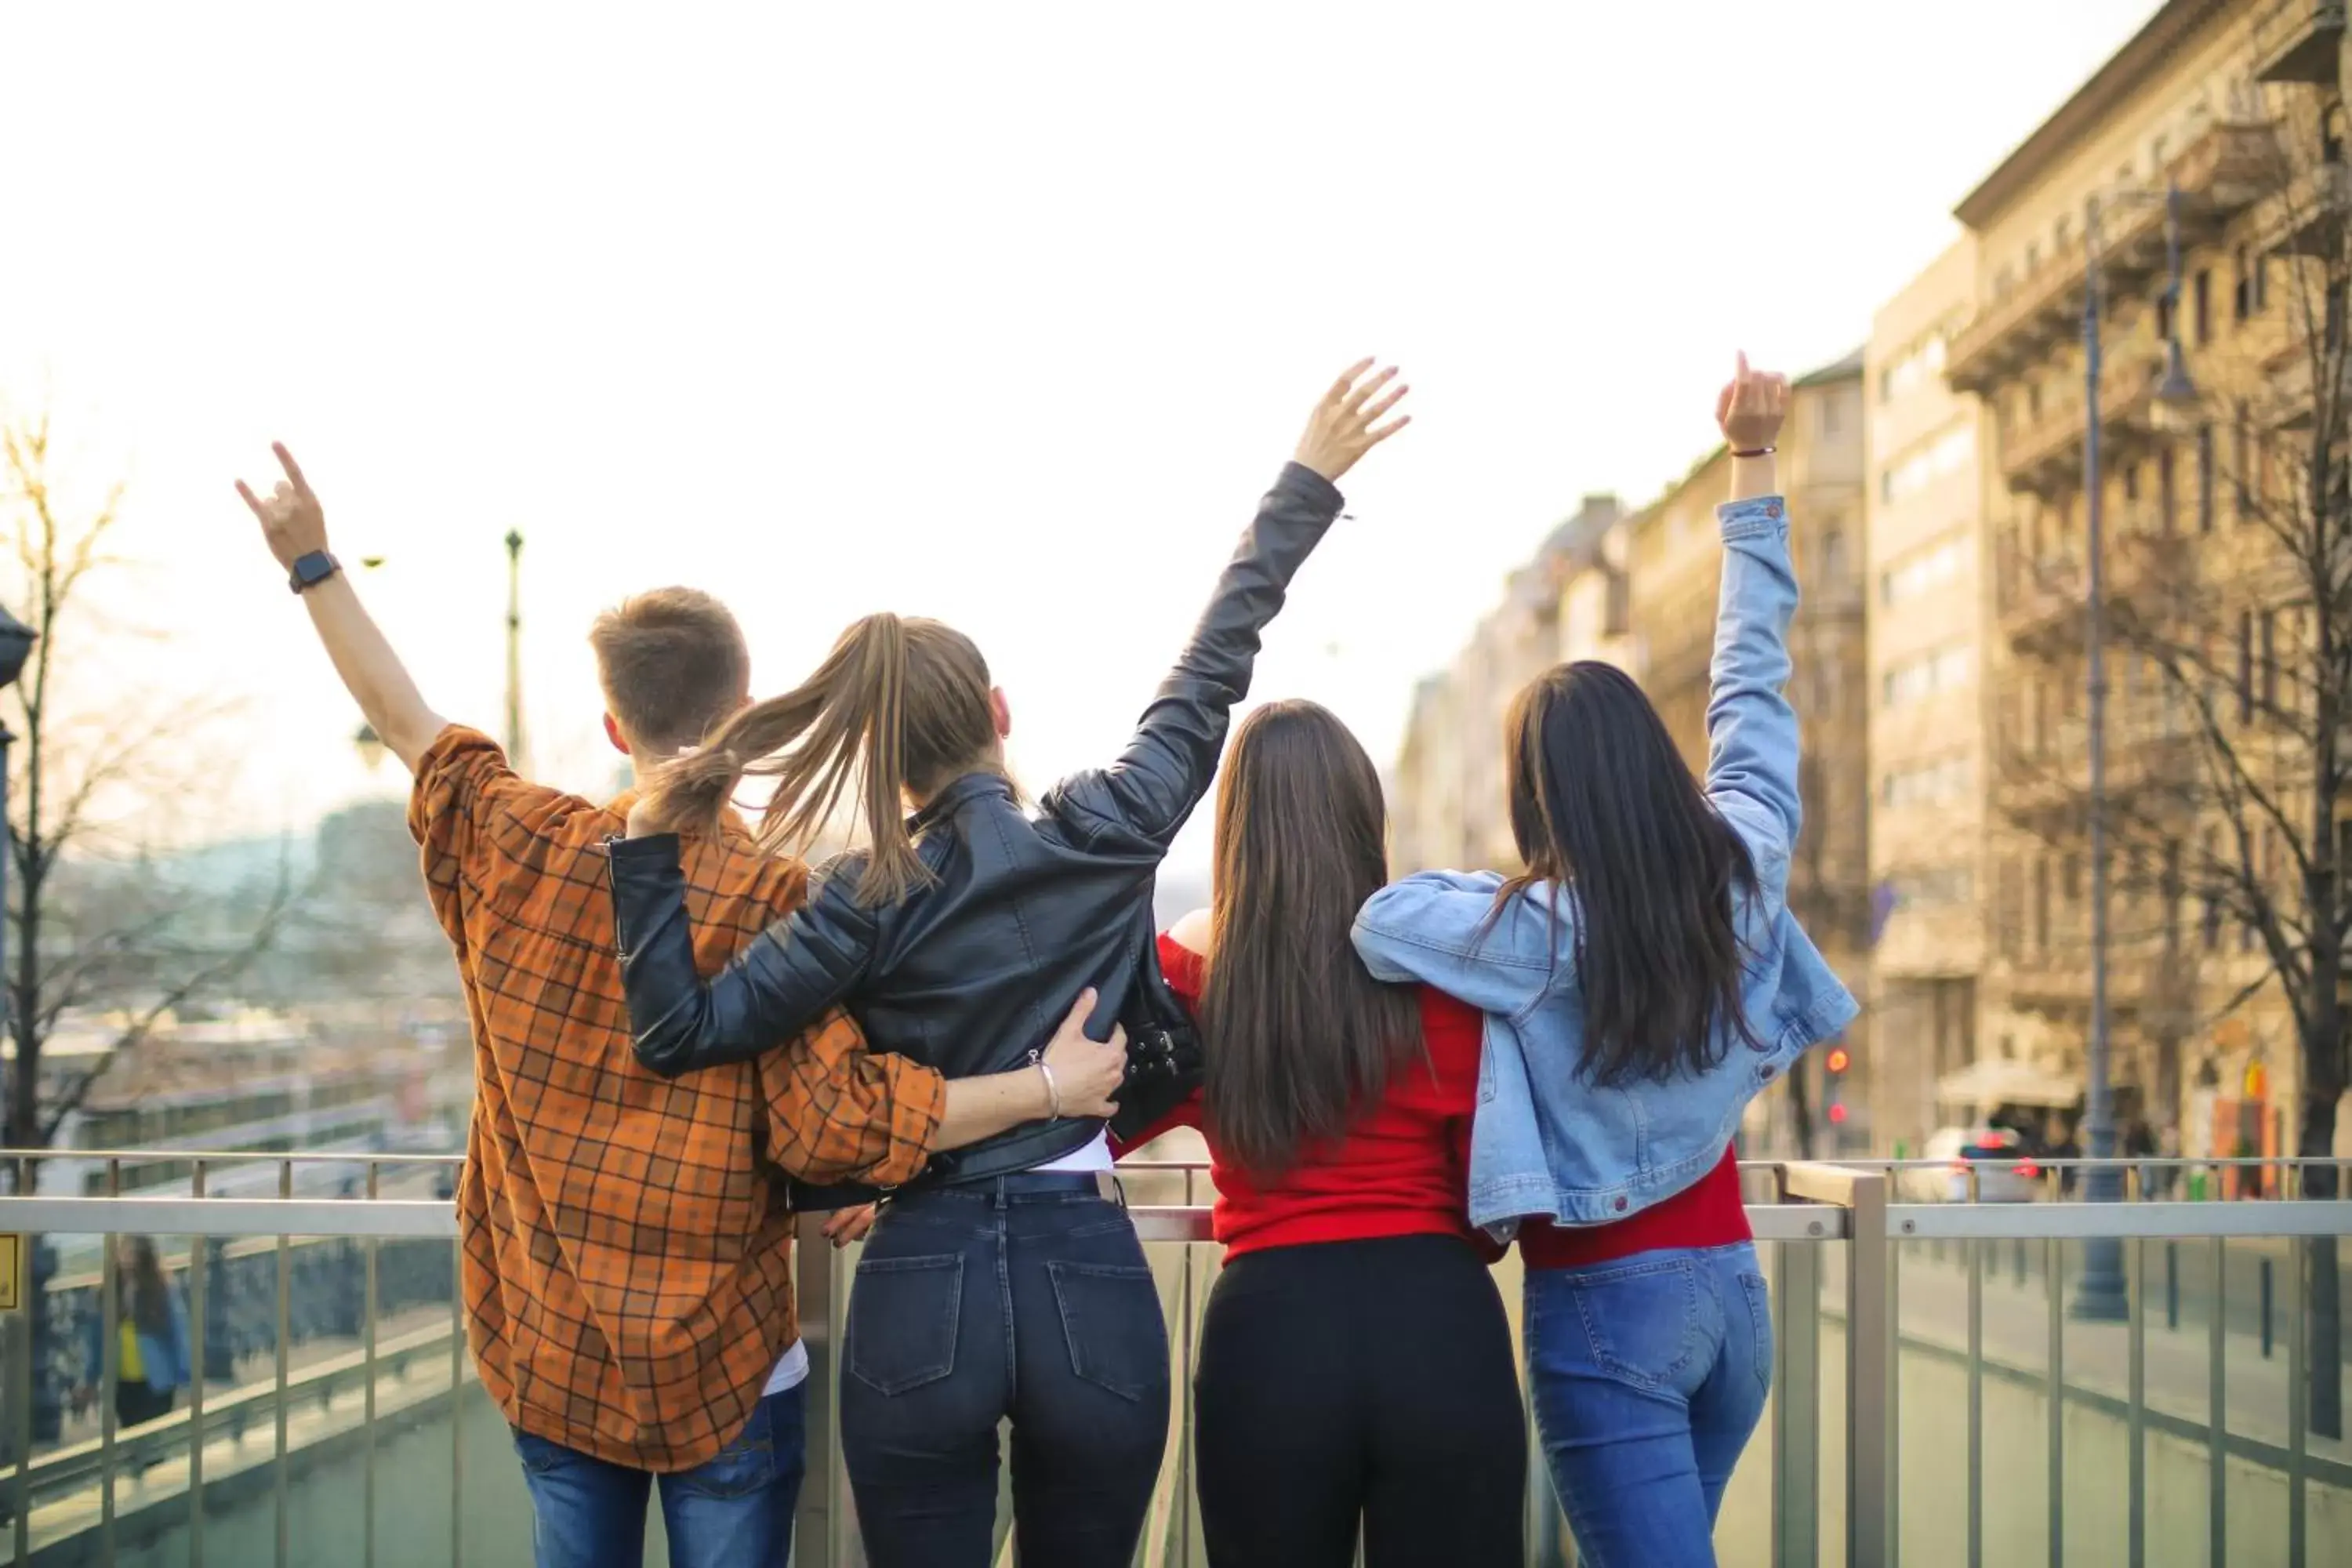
(1007, 1281)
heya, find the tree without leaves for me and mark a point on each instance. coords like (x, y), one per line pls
(2228, 625)
(97, 931)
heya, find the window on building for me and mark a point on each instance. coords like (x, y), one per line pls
(2072, 867)
(2270, 659)
(2205, 479)
(2241, 287)
(2164, 317)
(2131, 481)
(2041, 903)
(2202, 293)
(2168, 497)
(2173, 895)
(2242, 463)
(2245, 667)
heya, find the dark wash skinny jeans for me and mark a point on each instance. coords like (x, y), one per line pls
(993, 1300)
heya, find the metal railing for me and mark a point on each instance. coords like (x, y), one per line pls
(1839, 1238)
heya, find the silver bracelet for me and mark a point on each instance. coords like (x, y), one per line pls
(1053, 1091)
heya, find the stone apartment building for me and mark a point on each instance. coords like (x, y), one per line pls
(1923, 552)
(2237, 110)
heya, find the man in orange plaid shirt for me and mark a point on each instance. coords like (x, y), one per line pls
(626, 1268)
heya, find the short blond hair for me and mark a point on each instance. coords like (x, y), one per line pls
(673, 664)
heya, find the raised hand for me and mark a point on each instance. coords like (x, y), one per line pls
(293, 521)
(1346, 423)
(1750, 408)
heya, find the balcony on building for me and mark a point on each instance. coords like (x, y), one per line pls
(2225, 168)
(2290, 403)
(2044, 455)
(2306, 216)
(2040, 599)
(2299, 41)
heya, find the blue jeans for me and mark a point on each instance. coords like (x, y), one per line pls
(734, 1511)
(1648, 1376)
(1024, 1297)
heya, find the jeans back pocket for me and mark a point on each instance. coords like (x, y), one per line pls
(1111, 1320)
(1642, 1320)
(903, 1315)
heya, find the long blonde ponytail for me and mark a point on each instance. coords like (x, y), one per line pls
(897, 705)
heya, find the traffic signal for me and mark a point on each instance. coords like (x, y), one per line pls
(1835, 1065)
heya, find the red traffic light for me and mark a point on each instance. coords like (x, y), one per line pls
(1837, 1115)
(1839, 1060)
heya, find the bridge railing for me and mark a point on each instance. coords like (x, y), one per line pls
(1910, 1416)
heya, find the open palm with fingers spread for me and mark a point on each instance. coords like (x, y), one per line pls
(1346, 423)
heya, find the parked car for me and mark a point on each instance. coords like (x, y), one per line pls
(2004, 1172)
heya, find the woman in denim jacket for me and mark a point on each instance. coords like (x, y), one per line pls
(1641, 983)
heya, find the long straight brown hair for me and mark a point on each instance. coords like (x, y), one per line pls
(897, 706)
(1604, 809)
(1300, 1037)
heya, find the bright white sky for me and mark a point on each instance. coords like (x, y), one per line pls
(1003, 314)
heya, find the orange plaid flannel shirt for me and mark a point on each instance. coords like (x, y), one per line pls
(627, 1258)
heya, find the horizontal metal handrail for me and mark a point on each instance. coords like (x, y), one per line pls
(421, 1218)
(2149, 1219)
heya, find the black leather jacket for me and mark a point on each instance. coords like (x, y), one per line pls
(972, 973)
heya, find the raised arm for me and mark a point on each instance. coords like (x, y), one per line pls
(295, 525)
(772, 990)
(1148, 792)
(1751, 765)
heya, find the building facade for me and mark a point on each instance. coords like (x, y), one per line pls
(1447, 805)
(1924, 546)
(2229, 120)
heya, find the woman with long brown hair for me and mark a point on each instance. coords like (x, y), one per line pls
(1643, 980)
(1007, 1281)
(1355, 1370)
(151, 1357)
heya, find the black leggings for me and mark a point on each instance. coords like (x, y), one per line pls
(1359, 1380)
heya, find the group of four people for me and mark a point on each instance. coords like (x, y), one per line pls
(973, 1014)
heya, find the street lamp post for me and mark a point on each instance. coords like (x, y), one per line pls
(2102, 1294)
(16, 641)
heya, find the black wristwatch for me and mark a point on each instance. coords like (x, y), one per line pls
(311, 570)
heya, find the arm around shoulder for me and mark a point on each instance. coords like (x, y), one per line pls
(1447, 929)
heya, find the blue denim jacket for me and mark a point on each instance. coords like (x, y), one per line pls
(1546, 1142)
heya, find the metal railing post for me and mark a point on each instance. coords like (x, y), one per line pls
(825, 1534)
(1797, 1401)
(1870, 1351)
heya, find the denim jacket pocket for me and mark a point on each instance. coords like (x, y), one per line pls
(1641, 1318)
(903, 1313)
(1112, 1321)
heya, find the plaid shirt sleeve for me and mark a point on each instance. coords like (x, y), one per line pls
(463, 791)
(838, 1112)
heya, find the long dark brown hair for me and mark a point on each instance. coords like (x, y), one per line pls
(1300, 1037)
(899, 706)
(145, 1295)
(1605, 810)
